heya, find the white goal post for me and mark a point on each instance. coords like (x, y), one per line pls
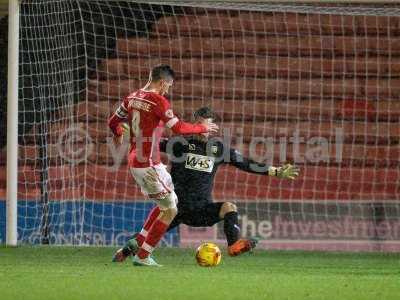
(12, 122)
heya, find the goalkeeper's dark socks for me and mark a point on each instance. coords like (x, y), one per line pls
(155, 234)
(141, 236)
(231, 227)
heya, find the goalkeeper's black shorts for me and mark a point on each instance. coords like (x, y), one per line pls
(204, 216)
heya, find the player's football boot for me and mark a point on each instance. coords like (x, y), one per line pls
(130, 248)
(242, 246)
(146, 262)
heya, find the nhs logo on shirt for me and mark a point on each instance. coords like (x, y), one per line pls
(199, 162)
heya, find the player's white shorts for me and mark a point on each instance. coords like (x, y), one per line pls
(156, 183)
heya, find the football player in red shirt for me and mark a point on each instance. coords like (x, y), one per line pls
(145, 111)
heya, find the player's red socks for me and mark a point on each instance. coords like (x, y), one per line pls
(154, 236)
(154, 213)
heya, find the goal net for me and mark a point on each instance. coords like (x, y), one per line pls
(314, 85)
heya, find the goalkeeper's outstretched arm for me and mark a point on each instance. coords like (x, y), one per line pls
(248, 165)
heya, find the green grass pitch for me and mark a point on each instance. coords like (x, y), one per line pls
(87, 273)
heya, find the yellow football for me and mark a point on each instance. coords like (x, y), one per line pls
(208, 255)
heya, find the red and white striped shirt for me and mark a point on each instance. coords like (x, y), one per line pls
(146, 114)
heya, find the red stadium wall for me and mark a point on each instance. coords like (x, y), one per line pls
(284, 73)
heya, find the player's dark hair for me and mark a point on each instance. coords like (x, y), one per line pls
(161, 72)
(205, 113)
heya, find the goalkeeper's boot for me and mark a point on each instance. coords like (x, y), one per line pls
(130, 248)
(145, 262)
(242, 246)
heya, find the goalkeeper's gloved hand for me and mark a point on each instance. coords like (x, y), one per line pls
(287, 171)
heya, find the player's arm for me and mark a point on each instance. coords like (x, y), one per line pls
(180, 127)
(164, 111)
(248, 165)
(116, 122)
